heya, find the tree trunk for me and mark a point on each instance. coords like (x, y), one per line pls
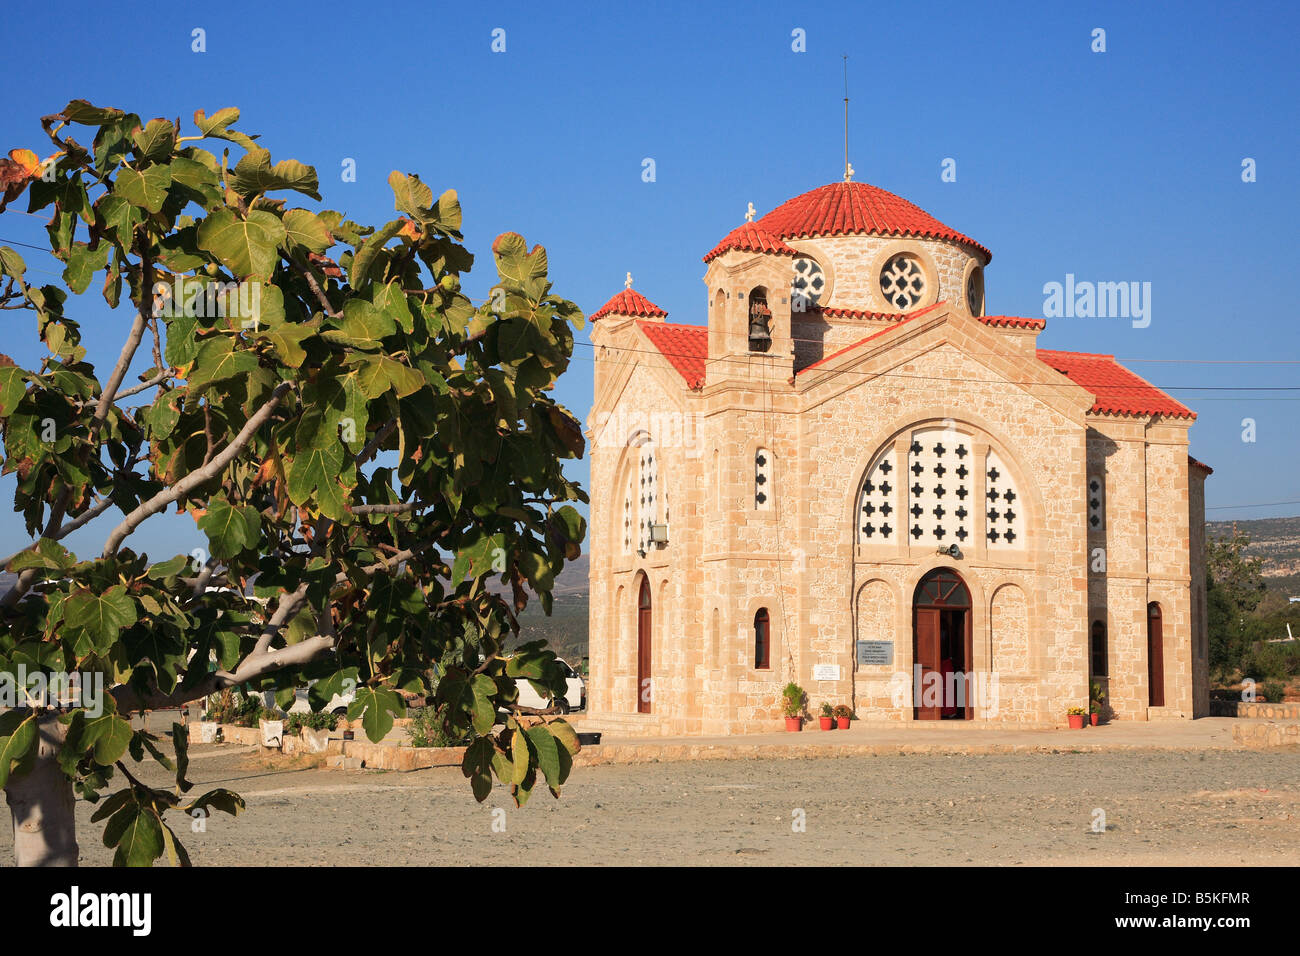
(41, 802)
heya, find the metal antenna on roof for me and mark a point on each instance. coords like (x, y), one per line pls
(848, 167)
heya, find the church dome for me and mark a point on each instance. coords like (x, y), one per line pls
(848, 208)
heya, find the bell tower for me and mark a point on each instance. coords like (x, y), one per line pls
(749, 278)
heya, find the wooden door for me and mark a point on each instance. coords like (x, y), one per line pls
(644, 685)
(1155, 656)
(926, 661)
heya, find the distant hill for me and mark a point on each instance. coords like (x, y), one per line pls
(1275, 541)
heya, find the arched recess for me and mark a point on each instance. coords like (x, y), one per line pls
(715, 641)
(875, 613)
(1155, 655)
(1009, 622)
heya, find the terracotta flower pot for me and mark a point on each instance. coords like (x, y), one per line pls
(827, 723)
(842, 723)
(794, 723)
(1076, 721)
(1096, 719)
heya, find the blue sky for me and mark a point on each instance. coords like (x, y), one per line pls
(1115, 166)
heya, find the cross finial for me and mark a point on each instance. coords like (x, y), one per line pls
(749, 213)
(627, 283)
(848, 172)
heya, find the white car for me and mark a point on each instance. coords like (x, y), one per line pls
(575, 698)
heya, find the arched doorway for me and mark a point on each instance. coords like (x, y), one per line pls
(644, 683)
(941, 648)
(1155, 656)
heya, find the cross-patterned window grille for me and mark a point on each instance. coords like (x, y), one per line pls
(940, 487)
(877, 520)
(762, 480)
(1096, 503)
(902, 282)
(627, 523)
(808, 284)
(648, 495)
(1004, 523)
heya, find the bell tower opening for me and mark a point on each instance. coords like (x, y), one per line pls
(760, 321)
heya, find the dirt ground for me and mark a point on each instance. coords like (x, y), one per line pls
(1198, 808)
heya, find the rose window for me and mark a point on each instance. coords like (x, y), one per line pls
(902, 282)
(808, 284)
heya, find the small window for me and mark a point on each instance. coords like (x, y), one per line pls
(1099, 656)
(1096, 504)
(762, 640)
(762, 480)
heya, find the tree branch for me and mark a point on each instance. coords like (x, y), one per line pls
(195, 478)
(136, 389)
(369, 451)
(314, 286)
(90, 514)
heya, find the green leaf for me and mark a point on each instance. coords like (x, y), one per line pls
(147, 190)
(564, 735)
(520, 270)
(379, 373)
(13, 386)
(156, 140)
(254, 174)
(376, 707)
(365, 323)
(103, 615)
(548, 760)
(142, 840)
(83, 263)
(305, 230)
(314, 474)
(217, 361)
(227, 801)
(230, 528)
(359, 273)
(410, 195)
(11, 263)
(244, 246)
(17, 734)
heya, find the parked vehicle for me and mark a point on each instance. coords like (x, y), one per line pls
(575, 698)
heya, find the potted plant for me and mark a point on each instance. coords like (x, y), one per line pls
(792, 704)
(827, 718)
(1076, 715)
(1096, 701)
(313, 728)
(272, 726)
(842, 713)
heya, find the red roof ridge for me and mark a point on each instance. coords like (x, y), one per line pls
(1200, 464)
(629, 302)
(750, 237)
(1012, 322)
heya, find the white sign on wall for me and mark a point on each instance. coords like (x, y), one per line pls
(826, 672)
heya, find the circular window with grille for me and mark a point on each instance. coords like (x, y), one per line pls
(975, 291)
(808, 285)
(902, 282)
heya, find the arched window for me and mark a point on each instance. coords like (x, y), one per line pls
(1098, 658)
(760, 321)
(762, 640)
(762, 480)
(648, 494)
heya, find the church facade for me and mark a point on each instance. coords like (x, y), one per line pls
(853, 478)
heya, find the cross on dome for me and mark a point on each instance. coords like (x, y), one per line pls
(627, 283)
(749, 213)
(848, 172)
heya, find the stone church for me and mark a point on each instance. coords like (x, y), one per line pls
(852, 477)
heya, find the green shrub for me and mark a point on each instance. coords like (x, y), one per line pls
(792, 698)
(312, 720)
(429, 728)
(242, 710)
(1273, 691)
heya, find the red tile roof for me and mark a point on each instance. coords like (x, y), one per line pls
(629, 302)
(685, 346)
(1013, 322)
(1200, 464)
(915, 315)
(841, 209)
(748, 237)
(1118, 391)
(860, 314)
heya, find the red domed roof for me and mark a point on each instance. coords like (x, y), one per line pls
(748, 237)
(629, 302)
(842, 209)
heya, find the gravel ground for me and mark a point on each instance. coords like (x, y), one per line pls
(1188, 809)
